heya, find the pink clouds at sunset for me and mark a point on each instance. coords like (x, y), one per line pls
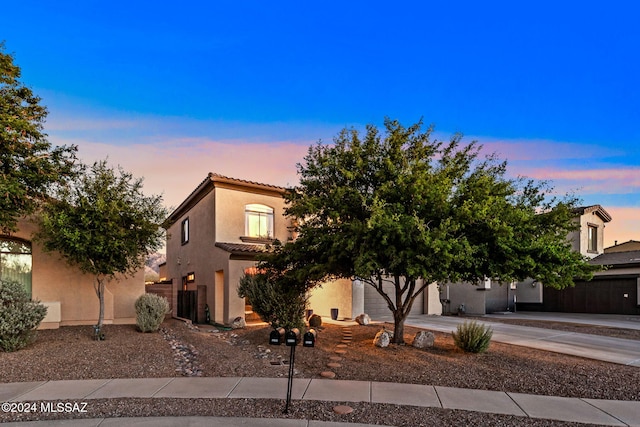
(619, 180)
(175, 168)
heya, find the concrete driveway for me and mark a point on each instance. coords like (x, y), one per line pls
(615, 350)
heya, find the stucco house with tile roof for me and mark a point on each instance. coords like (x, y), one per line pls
(214, 237)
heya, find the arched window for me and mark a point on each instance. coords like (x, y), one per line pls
(258, 221)
(15, 262)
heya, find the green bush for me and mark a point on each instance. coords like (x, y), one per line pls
(150, 312)
(19, 316)
(279, 305)
(473, 337)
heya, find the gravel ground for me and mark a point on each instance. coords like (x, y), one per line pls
(183, 350)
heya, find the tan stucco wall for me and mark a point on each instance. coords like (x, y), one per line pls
(431, 302)
(580, 238)
(54, 281)
(334, 294)
(230, 215)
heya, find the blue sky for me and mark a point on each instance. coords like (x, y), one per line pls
(172, 90)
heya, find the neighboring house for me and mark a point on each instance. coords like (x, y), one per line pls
(615, 290)
(68, 293)
(214, 237)
(490, 296)
(631, 245)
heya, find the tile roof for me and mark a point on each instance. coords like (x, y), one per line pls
(242, 248)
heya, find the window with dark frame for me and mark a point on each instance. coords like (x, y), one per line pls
(592, 238)
(184, 231)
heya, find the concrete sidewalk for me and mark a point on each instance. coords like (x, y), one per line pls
(595, 411)
(608, 349)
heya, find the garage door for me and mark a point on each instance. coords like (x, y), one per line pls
(376, 307)
(600, 295)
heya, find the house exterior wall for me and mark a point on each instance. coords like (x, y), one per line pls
(580, 238)
(431, 301)
(70, 294)
(529, 291)
(467, 294)
(194, 256)
(336, 294)
(230, 213)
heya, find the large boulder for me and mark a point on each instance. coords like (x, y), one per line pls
(363, 319)
(382, 339)
(423, 339)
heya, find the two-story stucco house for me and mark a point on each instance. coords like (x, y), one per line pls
(214, 237)
(68, 293)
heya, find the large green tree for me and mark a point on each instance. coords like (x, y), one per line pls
(29, 165)
(401, 210)
(103, 224)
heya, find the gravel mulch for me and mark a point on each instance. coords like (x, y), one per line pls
(183, 350)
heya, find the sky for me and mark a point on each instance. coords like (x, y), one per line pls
(174, 90)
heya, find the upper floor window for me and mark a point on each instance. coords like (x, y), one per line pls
(184, 231)
(258, 221)
(592, 238)
(15, 262)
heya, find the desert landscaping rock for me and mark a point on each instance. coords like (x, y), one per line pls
(382, 339)
(340, 351)
(333, 365)
(342, 409)
(335, 358)
(363, 319)
(328, 374)
(341, 345)
(423, 339)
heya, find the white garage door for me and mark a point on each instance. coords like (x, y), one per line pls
(376, 307)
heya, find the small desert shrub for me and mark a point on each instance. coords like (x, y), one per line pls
(472, 337)
(19, 316)
(150, 312)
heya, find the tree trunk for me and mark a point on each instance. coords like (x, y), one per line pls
(100, 293)
(398, 327)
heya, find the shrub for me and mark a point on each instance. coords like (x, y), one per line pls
(19, 316)
(315, 321)
(472, 337)
(280, 305)
(150, 312)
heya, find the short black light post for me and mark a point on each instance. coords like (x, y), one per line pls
(291, 338)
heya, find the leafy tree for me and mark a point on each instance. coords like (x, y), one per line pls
(103, 224)
(29, 165)
(403, 210)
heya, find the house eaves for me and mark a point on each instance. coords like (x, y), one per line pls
(596, 210)
(214, 180)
